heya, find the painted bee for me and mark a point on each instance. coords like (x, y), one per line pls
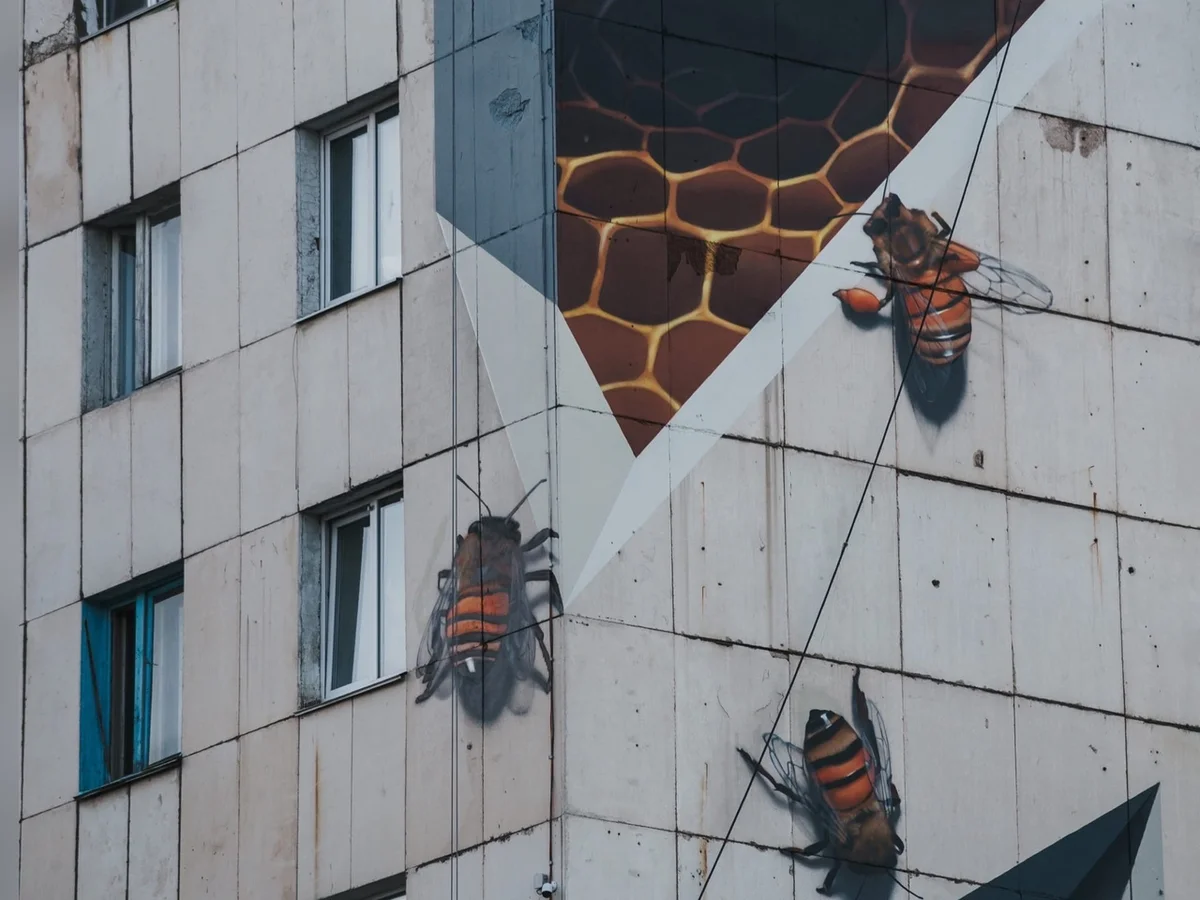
(843, 780)
(936, 278)
(482, 628)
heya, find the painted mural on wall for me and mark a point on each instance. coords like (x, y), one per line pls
(702, 169)
(482, 632)
(935, 281)
(842, 779)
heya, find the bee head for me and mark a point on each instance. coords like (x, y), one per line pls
(496, 528)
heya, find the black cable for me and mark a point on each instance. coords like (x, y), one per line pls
(874, 463)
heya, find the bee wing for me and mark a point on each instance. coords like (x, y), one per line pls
(518, 642)
(869, 723)
(433, 643)
(994, 280)
(792, 769)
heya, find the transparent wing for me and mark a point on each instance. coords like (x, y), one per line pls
(869, 723)
(792, 769)
(518, 643)
(433, 650)
(994, 281)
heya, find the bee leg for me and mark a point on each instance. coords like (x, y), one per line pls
(827, 885)
(810, 850)
(541, 639)
(438, 677)
(779, 786)
(538, 539)
(548, 576)
(946, 229)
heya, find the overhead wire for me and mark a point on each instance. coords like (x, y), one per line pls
(874, 463)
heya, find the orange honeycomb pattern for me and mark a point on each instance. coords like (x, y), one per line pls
(695, 182)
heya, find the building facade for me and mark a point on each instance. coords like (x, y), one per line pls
(463, 442)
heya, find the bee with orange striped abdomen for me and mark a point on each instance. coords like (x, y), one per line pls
(936, 279)
(843, 779)
(482, 628)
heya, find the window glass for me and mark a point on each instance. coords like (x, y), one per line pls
(391, 580)
(166, 687)
(353, 620)
(121, 691)
(125, 312)
(387, 141)
(164, 349)
(116, 9)
(351, 214)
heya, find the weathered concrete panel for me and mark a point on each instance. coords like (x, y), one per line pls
(606, 859)
(725, 699)
(53, 188)
(46, 870)
(264, 70)
(325, 802)
(319, 44)
(461, 875)
(269, 624)
(211, 453)
(1065, 605)
(208, 824)
(492, 17)
(421, 239)
(372, 45)
(107, 497)
(620, 724)
(267, 417)
(103, 846)
(154, 837)
(208, 83)
(323, 409)
(861, 621)
(1074, 86)
(377, 792)
(942, 787)
(49, 28)
(745, 871)
(157, 498)
(154, 68)
(211, 629)
(54, 332)
(1149, 61)
(1170, 757)
(1060, 441)
(727, 532)
(209, 262)
(416, 18)
(1158, 591)
(1158, 437)
(267, 237)
(267, 812)
(52, 529)
(375, 373)
(104, 97)
(1070, 770)
(51, 755)
(954, 565)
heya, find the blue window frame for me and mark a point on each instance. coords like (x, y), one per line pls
(130, 711)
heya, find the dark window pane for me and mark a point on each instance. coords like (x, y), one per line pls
(120, 756)
(125, 311)
(116, 9)
(351, 264)
(349, 544)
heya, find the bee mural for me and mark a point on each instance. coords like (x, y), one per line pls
(935, 281)
(842, 778)
(482, 629)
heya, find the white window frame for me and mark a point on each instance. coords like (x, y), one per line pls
(368, 118)
(142, 331)
(329, 527)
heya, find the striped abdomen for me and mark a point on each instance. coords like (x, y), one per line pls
(475, 624)
(838, 761)
(946, 330)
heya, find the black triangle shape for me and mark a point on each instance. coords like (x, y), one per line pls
(1093, 863)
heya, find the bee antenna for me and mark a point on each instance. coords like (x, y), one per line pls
(849, 214)
(523, 499)
(892, 875)
(475, 492)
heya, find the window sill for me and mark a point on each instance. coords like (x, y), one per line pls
(350, 695)
(126, 19)
(171, 762)
(348, 298)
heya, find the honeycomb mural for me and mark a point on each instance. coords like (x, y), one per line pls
(696, 180)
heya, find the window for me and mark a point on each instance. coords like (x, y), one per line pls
(361, 208)
(103, 13)
(363, 609)
(131, 683)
